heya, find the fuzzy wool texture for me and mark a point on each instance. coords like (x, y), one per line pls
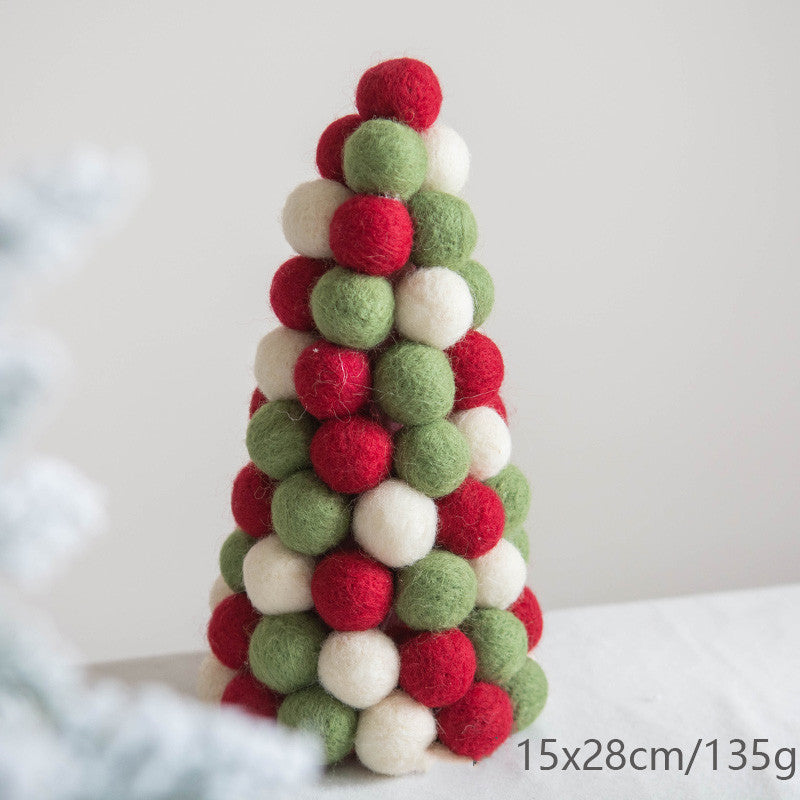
(515, 492)
(433, 458)
(478, 369)
(448, 159)
(393, 736)
(395, 524)
(414, 383)
(501, 575)
(257, 399)
(488, 438)
(307, 216)
(229, 630)
(353, 310)
(433, 306)
(445, 231)
(519, 538)
(277, 580)
(359, 668)
(308, 517)
(284, 649)
(331, 144)
(527, 610)
(276, 356)
(218, 592)
(527, 691)
(251, 501)
(212, 678)
(437, 668)
(290, 291)
(251, 695)
(500, 642)
(385, 157)
(278, 437)
(231, 557)
(435, 593)
(471, 519)
(481, 287)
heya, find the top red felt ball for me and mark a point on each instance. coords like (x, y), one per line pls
(290, 292)
(403, 89)
(527, 610)
(478, 370)
(331, 143)
(251, 501)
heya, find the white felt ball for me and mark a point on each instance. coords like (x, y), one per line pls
(359, 667)
(489, 440)
(212, 679)
(433, 305)
(393, 736)
(219, 591)
(307, 216)
(394, 523)
(448, 159)
(277, 580)
(276, 355)
(501, 575)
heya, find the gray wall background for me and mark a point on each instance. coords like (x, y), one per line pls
(636, 179)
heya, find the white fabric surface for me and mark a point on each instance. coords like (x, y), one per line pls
(653, 674)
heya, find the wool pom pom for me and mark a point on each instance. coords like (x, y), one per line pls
(276, 355)
(432, 458)
(307, 216)
(385, 157)
(445, 231)
(229, 629)
(433, 306)
(527, 691)
(437, 668)
(351, 591)
(332, 381)
(257, 399)
(278, 437)
(527, 610)
(359, 667)
(435, 593)
(448, 160)
(496, 402)
(212, 679)
(394, 523)
(331, 144)
(489, 440)
(372, 234)
(218, 592)
(307, 516)
(471, 519)
(478, 723)
(277, 580)
(231, 557)
(313, 709)
(353, 310)
(519, 539)
(481, 287)
(290, 291)
(500, 643)
(393, 736)
(501, 575)
(402, 88)
(244, 691)
(352, 455)
(515, 492)
(284, 650)
(478, 369)
(251, 501)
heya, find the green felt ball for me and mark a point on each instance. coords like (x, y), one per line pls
(481, 287)
(385, 157)
(231, 558)
(437, 592)
(352, 309)
(414, 383)
(313, 709)
(519, 538)
(278, 438)
(445, 231)
(433, 458)
(527, 690)
(308, 516)
(284, 650)
(515, 492)
(500, 642)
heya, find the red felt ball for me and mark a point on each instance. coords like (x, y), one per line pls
(527, 610)
(257, 400)
(371, 234)
(329, 149)
(477, 724)
(332, 381)
(229, 629)
(351, 591)
(496, 402)
(437, 667)
(477, 368)
(351, 455)
(251, 500)
(471, 519)
(245, 691)
(404, 89)
(290, 292)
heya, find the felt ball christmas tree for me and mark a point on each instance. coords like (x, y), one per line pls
(374, 588)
